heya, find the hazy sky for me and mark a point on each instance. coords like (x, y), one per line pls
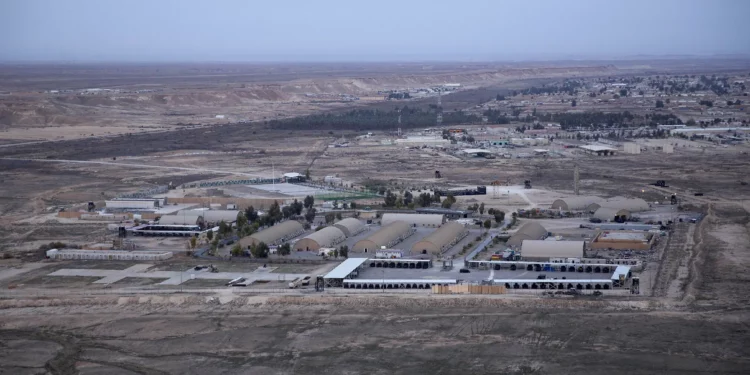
(381, 30)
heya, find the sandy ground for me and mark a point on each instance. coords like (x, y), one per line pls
(691, 317)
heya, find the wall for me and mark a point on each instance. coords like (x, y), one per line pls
(468, 289)
(242, 203)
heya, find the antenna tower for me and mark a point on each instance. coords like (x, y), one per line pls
(439, 109)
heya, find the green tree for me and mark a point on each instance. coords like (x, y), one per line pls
(287, 212)
(344, 251)
(623, 93)
(307, 174)
(659, 104)
(260, 250)
(573, 103)
(481, 209)
(499, 216)
(487, 224)
(309, 201)
(285, 249)
(338, 216)
(310, 215)
(236, 250)
(251, 214)
(330, 217)
(390, 199)
(224, 228)
(210, 234)
(436, 197)
(193, 242)
(274, 213)
(241, 221)
(353, 205)
(335, 253)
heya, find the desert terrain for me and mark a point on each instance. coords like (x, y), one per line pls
(75, 134)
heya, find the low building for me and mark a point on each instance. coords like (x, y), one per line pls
(537, 250)
(134, 203)
(190, 217)
(441, 240)
(448, 213)
(416, 220)
(274, 235)
(632, 148)
(623, 240)
(599, 150)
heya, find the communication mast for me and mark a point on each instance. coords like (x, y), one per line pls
(439, 109)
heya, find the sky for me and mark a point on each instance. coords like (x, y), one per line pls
(382, 30)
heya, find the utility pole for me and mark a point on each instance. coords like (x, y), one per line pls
(576, 177)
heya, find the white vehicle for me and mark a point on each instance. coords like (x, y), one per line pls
(236, 281)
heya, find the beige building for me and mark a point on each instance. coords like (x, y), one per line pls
(326, 237)
(536, 250)
(441, 240)
(387, 236)
(274, 235)
(528, 231)
(623, 240)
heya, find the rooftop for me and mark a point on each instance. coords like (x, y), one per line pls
(624, 236)
(596, 148)
(345, 268)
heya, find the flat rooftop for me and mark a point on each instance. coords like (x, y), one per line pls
(624, 236)
(598, 148)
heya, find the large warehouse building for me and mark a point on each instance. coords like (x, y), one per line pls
(623, 240)
(529, 231)
(578, 203)
(533, 250)
(387, 236)
(417, 220)
(326, 237)
(441, 240)
(274, 235)
(612, 214)
(191, 217)
(630, 204)
(350, 226)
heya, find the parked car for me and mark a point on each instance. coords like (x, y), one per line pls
(595, 220)
(464, 270)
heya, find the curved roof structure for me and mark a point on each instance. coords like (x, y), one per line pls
(577, 203)
(350, 226)
(630, 204)
(529, 231)
(388, 235)
(551, 249)
(440, 239)
(326, 237)
(420, 220)
(609, 213)
(275, 234)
